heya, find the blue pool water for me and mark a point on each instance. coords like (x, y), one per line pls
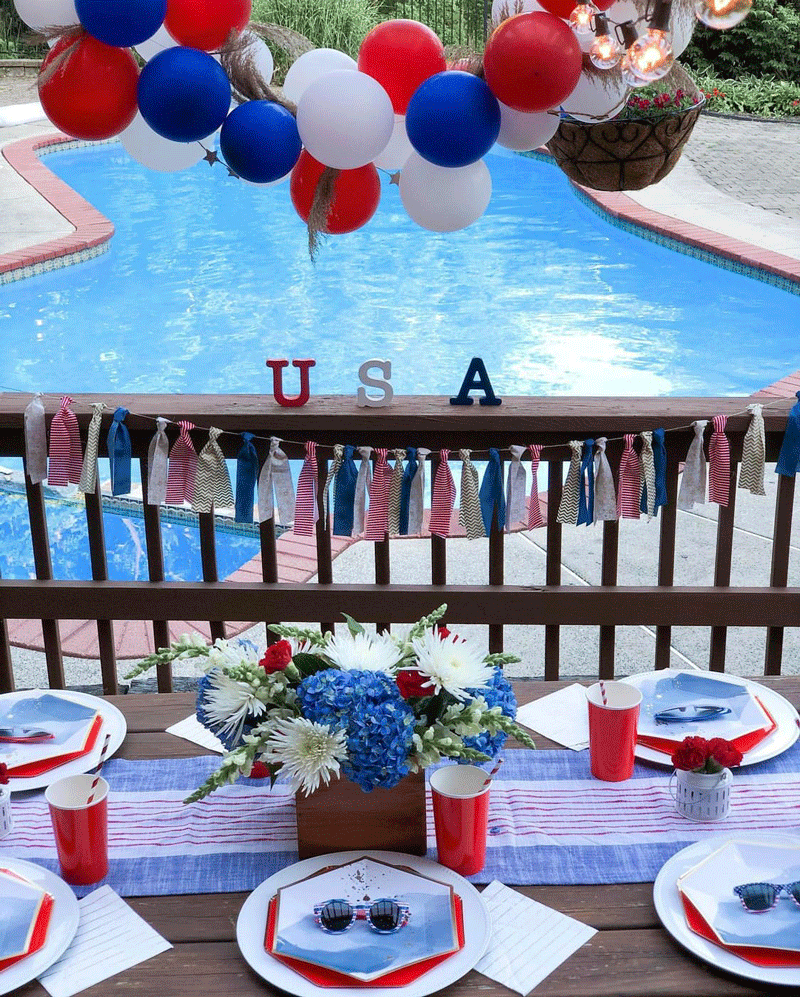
(125, 544)
(208, 276)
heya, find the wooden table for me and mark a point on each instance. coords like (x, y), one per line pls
(631, 956)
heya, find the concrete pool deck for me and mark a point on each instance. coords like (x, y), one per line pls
(721, 197)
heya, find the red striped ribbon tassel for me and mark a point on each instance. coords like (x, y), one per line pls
(719, 464)
(182, 467)
(443, 498)
(630, 473)
(66, 452)
(305, 509)
(534, 509)
(378, 512)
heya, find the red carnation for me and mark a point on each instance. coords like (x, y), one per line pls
(3, 774)
(691, 754)
(413, 684)
(442, 631)
(723, 752)
(276, 657)
(259, 769)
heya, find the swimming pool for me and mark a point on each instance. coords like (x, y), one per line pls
(208, 276)
(125, 542)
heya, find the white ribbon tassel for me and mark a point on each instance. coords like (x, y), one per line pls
(694, 480)
(363, 482)
(275, 486)
(157, 463)
(516, 489)
(605, 496)
(35, 440)
(416, 501)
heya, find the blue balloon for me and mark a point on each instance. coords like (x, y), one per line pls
(184, 94)
(121, 24)
(453, 119)
(260, 141)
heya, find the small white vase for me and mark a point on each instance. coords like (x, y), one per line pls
(703, 796)
(5, 811)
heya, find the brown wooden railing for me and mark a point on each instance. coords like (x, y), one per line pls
(425, 422)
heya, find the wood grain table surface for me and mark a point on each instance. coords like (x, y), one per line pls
(630, 956)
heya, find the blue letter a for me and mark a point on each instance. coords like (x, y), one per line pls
(476, 378)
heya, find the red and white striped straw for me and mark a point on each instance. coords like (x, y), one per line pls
(603, 692)
(98, 769)
(494, 771)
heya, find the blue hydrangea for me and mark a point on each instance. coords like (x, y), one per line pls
(378, 722)
(497, 693)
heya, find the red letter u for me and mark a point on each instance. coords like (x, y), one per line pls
(277, 381)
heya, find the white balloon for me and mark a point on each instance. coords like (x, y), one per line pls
(38, 14)
(161, 40)
(399, 148)
(597, 97)
(157, 153)
(442, 199)
(522, 131)
(256, 49)
(682, 25)
(311, 66)
(345, 119)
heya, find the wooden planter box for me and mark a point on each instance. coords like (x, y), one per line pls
(341, 817)
(622, 154)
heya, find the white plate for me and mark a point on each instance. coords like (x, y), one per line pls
(252, 923)
(61, 931)
(113, 723)
(780, 709)
(670, 909)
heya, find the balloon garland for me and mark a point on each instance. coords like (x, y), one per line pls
(160, 74)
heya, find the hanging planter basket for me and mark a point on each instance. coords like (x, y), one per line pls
(625, 153)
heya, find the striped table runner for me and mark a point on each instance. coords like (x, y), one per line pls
(550, 822)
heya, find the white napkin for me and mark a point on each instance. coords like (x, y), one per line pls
(111, 937)
(192, 730)
(529, 940)
(563, 716)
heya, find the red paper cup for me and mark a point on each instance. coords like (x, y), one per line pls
(612, 730)
(81, 828)
(461, 816)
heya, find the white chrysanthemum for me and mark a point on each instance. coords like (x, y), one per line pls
(307, 752)
(451, 663)
(364, 652)
(227, 703)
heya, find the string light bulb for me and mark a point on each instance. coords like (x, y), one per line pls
(605, 52)
(580, 20)
(627, 32)
(651, 57)
(721, 14)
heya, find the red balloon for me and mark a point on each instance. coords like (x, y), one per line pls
(400, 55)
(532, 62)
(355, 195)
(92, 94)
(206, 24)
(561, 8)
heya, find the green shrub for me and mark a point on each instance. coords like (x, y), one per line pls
(765, 43)
(338, 24)
(760, 96)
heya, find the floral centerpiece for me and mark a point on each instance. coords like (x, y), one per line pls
(703, 777)
(371, 707)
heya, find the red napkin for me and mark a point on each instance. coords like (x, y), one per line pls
(39, 935)
(46, 764)
(330, 978)
(745, 742)
(750, 953)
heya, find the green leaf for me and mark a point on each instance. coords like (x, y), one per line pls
(353, 626)
(309, 664)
